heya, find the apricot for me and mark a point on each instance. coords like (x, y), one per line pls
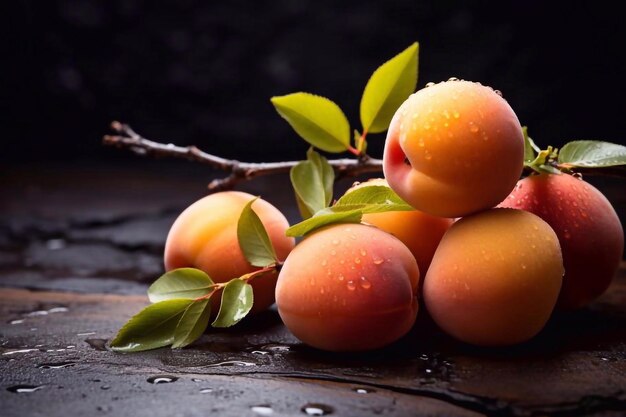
(453, 149)
(419, 231)
(204, 236)
(495, 277)
(591, 235)
(348, 287)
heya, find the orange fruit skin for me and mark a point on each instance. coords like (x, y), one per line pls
(590, 232)
(464, 145)
(204, 236)
(348, 287)
(495, 278)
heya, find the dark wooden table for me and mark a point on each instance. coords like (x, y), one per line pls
(78, 248)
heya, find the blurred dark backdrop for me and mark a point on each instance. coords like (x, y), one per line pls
(201, 72)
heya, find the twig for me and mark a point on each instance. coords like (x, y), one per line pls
(126, 137)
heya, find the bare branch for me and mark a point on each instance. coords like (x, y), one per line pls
(127, 138)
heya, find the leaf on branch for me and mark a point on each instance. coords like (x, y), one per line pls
(372, 199)
(192, 324)
(253, 238)
(323, 218)
(312, 181)
(189, 283)
(591, 154)
(237, 300)
(151, 328)
(318, 120)
(388, 87)
(530, 149)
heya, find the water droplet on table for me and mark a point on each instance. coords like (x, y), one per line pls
(315, 409)
(56, 365)
(262, 410)
(162, 379)
(24, 389)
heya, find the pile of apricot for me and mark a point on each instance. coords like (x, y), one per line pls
(487, 275)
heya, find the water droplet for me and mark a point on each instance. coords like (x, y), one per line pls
(321, 290)
(56, 365)
(97, 344)
(85, 334)
(430, 84)
(498, 92)
(378, 261)
(424, 357)
(324, 262)
(363, 390)
(340, 277)
(206, 390)
(342, 261)
(473, 128)
(456, 114)
(55, 244)
(365, 284)
(428, 371)
(335, 242)
(566, 234)
(333, 252)
(312, 281)
(262, 410)
(230, 363)
(105, 387)
(162, 379)
(19, 321)
(24, 389)
(260, 352)
(523, 266)
(316, 409)
(427, 155)
(46, 312)
(357, 260)
(196, 380)
(351, 285)
(363, 252)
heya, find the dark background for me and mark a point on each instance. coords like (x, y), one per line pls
(202, 72)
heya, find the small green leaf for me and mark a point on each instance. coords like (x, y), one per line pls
(323, 218)
(530, 149)
(592, 154)
(180, 283)
(325, 172)
(151, 328)
(192, 324)
(387, 88)
(237, 300)
(253, 239)
(372, 199)
(316, 119)
(312, 181)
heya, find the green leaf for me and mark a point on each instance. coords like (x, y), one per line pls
(371, 199)
(323, 218)
(388, 87)
(530, 149)
(312, 181)
(192, 324)
(253, 239)
(151, 328)
(592, 154)
(180, 283)
(325, 172)
(237, 300)
(316, 119)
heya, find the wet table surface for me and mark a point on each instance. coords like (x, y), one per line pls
(78, 248)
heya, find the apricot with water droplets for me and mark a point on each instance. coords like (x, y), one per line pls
(495, 277)
(361, 296)
(453, 149)
(590, 232)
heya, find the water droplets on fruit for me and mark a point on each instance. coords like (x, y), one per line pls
(364, 283)
(24, 389)
(363, 252)
(324, 262)
(377, 261)
(427, 156)
(351, 285)
(430, 84)
(456, 114)
(473, 128)
(340, 277)
(453, 79)
(357, 260)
